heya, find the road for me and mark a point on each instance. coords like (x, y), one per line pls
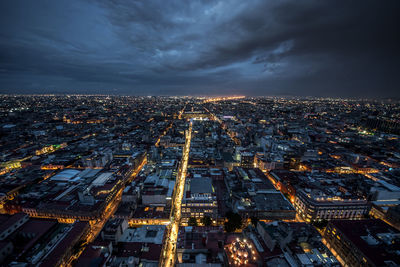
(169, 248)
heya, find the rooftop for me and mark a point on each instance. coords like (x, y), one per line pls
(145, 234)
(201, 186)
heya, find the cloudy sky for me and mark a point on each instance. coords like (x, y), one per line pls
(252, 47)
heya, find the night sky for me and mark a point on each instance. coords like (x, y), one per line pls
(165, 47)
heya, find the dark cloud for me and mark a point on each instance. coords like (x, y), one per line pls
(333, 48)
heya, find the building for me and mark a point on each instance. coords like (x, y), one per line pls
(157, 192)
(97, 159)
(393, 216)
(131, 194)
(300, 243)
(60, 254)
(312, 206)
(247, 160)
(388, 211)
(199, 199)
(114, 229)
(253, 195)
(266, 206)
(9, 224)
(72, 195)
(96, 254)
(363, 242)
(139, 246)
(200, 245)
(6, 248)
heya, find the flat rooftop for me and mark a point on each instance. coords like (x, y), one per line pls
(102, 179)
(145, 234)
(201, 185)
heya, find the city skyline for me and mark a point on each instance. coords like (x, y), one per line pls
(256, 48)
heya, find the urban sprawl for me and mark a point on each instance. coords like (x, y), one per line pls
(97, 180)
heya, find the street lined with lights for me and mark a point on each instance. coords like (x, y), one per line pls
(168, 253)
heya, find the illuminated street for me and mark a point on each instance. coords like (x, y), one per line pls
(168, 253)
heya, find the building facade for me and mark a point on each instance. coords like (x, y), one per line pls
(313, 209)
(199, 199)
